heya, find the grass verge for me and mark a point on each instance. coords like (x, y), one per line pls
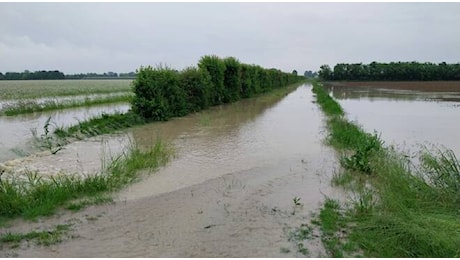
(395, 210)
(37, 196)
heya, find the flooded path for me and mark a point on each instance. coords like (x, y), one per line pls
(228, 193)
(16, 131)
(406, 119)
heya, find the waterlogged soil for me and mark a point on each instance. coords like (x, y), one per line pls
(16, 132)
(408, 115)
(229, 191)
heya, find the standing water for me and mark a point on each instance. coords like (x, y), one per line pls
(406, 119)
(229, 192)
(16, 131)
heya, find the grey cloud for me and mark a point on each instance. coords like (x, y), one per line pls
(83, 37)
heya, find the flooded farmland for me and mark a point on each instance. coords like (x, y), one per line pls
(229, 190)
(17, 131)
(227, 193)
(407, 115)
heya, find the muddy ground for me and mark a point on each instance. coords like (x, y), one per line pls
(243, 214)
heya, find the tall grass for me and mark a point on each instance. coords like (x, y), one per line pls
(396, 211)
(38, 196)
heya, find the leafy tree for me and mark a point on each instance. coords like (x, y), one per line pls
(325, 73)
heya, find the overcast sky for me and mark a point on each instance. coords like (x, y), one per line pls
(121, 37)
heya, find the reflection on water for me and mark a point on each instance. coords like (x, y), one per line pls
(373, 93)
(270, 132)
(16, 131)
(405, 118)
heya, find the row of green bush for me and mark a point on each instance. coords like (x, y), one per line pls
(162, 92)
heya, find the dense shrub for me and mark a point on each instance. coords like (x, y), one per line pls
(232, 80)
(162, 93)
(197, 84)
(247, 85)
(159, 94)
(216, 69)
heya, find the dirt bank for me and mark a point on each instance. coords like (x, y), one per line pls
(435, 86)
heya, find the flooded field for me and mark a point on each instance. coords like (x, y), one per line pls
(405, 114)
(16, 131)
(227, 193)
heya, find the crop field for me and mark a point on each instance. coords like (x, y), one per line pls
(28, 89)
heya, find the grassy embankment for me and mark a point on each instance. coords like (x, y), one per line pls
(396, 210)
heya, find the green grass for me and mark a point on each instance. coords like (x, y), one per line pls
(30, 106)
(46, 238)
(103, 124)
(29, 89)
(395, 210)
(38, 196)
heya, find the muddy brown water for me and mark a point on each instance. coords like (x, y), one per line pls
(227, 193)
(16, 131)
(407, 119)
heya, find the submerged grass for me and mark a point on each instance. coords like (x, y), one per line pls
(103, 124)
(396, 211)
(30, 106)
(38, 196)
(46, 238)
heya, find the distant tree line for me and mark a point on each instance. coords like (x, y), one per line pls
(162, 92)
(55, 74)
(106, 75)
(310, 74)
(26, 75)
(404, 71)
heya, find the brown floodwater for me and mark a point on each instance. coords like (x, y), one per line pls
(227, 193)
(407, 119)
(16, 131)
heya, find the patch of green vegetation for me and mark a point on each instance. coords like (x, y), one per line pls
(299, 235)
(31, 106)
(396, 210)
(103, 124)
(38, 196)
(46, 238)
(327, 104)
(80, 204)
